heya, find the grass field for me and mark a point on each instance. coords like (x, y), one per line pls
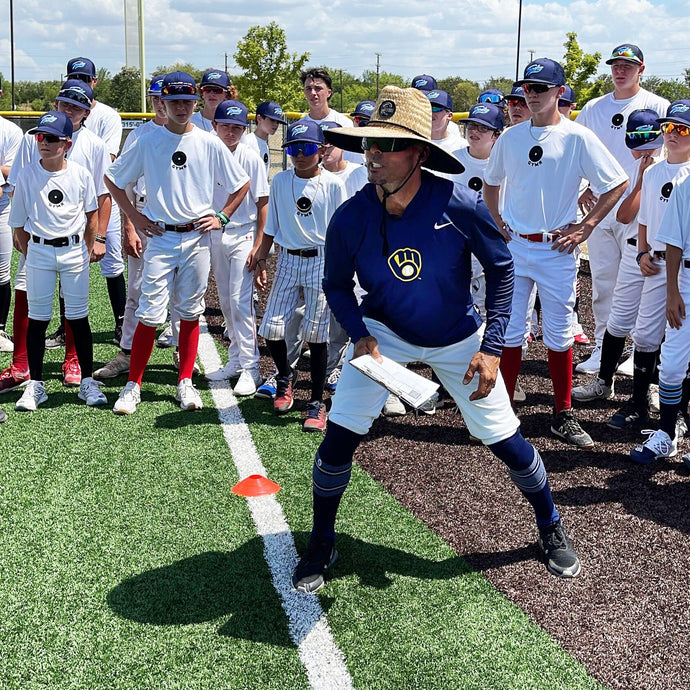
(126, 561)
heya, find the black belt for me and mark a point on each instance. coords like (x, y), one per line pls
(57, 241)
(632, 241)
(686, 263)
(185, 227)
(304, 253)
(660, 255)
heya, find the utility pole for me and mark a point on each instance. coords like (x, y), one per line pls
(378, 67)
(341, 91)
(14, 105)
(531, 55)
(226, 63)
(517, 53)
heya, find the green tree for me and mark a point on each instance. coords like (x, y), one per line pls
(269, 71)
(125, 90)
(671, 89)
(463, 92)
(579, 68)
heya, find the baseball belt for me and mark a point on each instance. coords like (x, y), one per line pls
(304, 253)
(632, 241)
(57, 241)
(184, 227)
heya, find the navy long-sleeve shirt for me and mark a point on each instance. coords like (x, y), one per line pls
(416, 269)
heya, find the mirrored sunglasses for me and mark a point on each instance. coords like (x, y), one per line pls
(489, 98)
(304, 147)
(668, 127)
(49, 138)
(179, 90)
(515, 101)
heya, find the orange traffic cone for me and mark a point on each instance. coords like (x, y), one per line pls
(255, 485)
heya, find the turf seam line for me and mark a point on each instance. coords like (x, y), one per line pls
(323, 661)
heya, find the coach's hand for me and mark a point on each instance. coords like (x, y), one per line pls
(486, 365)
(368, 346)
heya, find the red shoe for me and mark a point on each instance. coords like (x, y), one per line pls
(11, 378)
(283, 400)
(71, 371)
(316, 417)
(579, 335)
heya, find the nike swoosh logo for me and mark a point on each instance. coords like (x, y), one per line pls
(443, 225)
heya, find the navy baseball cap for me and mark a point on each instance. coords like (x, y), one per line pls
(81, 65)
(215, 77)
(328, 124)
(487, 114)
(679, 112)
(517, 92)
(363, 109)
(642, 130)
(568, 96)
(272, 111)
(304, 130)
(55, 123)
(179, 86)
(232, 113)
(156, 85)
(543, 71)
(495, 96)
(440, 99)
(424, 82)
(77, 93)
(628, 52)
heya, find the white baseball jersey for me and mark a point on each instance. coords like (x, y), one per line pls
(657, 184)
(607, 116)
(10, 140)
(473, 174)
(182, 169)
(250, 162)
(674, 228)
(52, 204)
(149, 125)
(541, 168)
(293, 228)
(261, 147)
(198, 120)
(106, 123)
(452, 141)
(353, 177)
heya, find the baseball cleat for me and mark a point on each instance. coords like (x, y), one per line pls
(568, 429)
(6, 343)
(57, 339)
(316, 417)
(176, 363)
(658, 445)
(591, 364)
(557, 551)
(268, 388)
(129, 398)
(11, 378)
(247, 383)
(71, 371)
(165, 339)
(628, 416)
(315, 566)
(34, 395)
(188, 396)
(230, 372)
(283, 400)
(116, 366)
(594, 390)
(90, 392)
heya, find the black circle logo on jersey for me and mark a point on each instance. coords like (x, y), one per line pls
(265, 158)
(179, 158)
(617, 120)
(386, 109)
(303, 204)
(666, 190)
(475, 183)
(535, 154)
(55, 196)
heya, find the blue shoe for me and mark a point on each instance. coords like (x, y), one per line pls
(332, 381)
(658, 445)
(268, 388)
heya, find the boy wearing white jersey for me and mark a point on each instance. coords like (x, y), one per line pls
(540, 164)
(606, 117)
(54, 216)
(87, 149)
(268, 116)
(301, 204)
(214, 89)
(106, 123)
(183, 164)
(233, 253)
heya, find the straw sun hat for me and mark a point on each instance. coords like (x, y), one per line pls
(398, 114)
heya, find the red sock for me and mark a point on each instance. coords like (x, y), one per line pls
(188, 346)
(511, 361)
(20, 358)
(142, 347)
(561, 370)
(70, 349)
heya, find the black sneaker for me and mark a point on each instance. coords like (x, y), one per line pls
(557, 551)
(315, 566)
(57, 339)
(568, 429)
(628, 416)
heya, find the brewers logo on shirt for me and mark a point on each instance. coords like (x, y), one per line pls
(406, 264)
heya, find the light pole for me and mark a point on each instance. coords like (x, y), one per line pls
(517, 54)
(378, 56)
(14, 105)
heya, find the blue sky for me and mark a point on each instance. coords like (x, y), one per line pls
(475, 40)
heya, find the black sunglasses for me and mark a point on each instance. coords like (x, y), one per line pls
(536, 88)
(386, 145)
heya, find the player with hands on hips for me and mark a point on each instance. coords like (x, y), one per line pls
(539, 164)
(408, 236)
(54, 216)
(184, 165)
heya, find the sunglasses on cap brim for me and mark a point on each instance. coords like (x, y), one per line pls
(179, 90)
(74, 95)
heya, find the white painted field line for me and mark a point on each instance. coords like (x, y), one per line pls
(309, 630)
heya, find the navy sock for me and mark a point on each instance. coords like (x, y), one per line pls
(611, 350)
(645, 364)
(35, 347)
(83, 344)
(529, 475)
(317, 366)
(278, 350)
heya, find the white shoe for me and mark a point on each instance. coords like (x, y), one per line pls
(653, 397)
(176, 363)
(188, 396)
(431, 405)
(596, 389)
(591, 365)
(627, 368)
(90, 392)
(129, 398)
(232, 370)
(393, 407)
(34, 394)
(6, 344)
(658, 445)
(519, 394)
(116, 366)
(165, 339)
(248, 382)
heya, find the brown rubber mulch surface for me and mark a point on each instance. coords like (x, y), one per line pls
(626, 617)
